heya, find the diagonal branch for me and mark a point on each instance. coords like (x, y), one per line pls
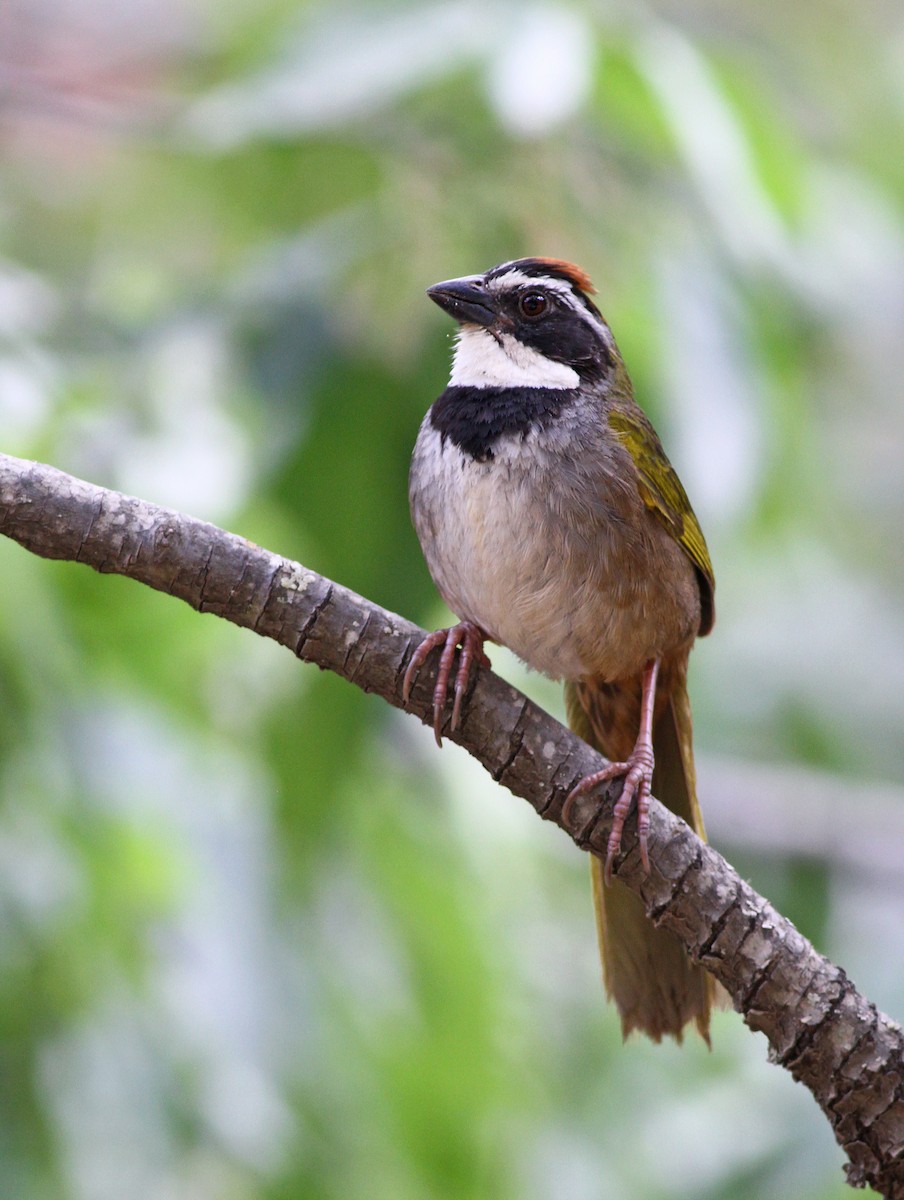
(819, 1026)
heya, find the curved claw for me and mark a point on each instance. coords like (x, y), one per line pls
(638, 779)
(638, 774)
(470, 638)
(430, 642)
(588, 783)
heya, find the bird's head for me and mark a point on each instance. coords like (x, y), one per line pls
(527, 323)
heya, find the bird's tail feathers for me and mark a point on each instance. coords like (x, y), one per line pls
(647, 972)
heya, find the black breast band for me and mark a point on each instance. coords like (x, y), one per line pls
(475, 418)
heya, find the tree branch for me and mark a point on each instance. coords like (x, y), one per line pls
(819, 1027)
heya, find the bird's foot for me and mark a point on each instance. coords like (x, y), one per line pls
(638, 776)
(470, 638)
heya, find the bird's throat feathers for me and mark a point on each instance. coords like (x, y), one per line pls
(498, 360)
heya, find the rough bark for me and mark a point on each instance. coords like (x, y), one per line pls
(820, 1028)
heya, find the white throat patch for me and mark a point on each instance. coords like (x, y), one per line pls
(480, 361)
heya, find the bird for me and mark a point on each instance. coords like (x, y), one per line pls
(553, 523)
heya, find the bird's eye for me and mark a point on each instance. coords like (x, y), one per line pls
(533, 304)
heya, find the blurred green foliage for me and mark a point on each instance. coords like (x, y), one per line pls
(257, 938)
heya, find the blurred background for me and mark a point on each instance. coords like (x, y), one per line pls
(259, 939)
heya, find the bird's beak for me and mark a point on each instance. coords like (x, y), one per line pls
(464, 299)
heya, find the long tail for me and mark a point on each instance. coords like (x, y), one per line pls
(656, 987)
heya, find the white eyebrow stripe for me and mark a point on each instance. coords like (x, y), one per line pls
(516, 278)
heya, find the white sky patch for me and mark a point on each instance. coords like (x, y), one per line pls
(715, 415)
(481, 361)
(711, 140)
(346, 64)
(542, 74)
(192, 453)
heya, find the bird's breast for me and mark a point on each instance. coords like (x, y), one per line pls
(551, 553)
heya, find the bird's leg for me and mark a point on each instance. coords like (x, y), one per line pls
(638, 774)
(470, 638)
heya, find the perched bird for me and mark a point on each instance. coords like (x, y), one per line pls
(553, 523)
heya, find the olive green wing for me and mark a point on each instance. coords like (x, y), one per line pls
(664, 495)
